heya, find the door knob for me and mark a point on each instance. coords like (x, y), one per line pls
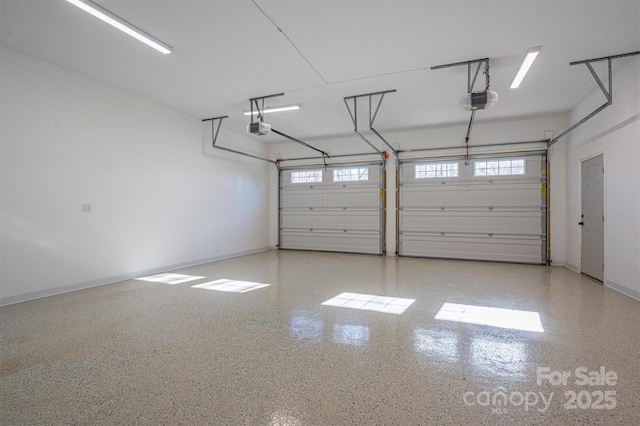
(580, 223)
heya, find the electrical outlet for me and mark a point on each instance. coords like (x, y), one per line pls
(86, 208)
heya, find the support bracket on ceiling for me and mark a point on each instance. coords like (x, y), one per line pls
(214, 130)
(372, 116)
(607, 93)
(214, 138)
(471, 81)
(259, 105)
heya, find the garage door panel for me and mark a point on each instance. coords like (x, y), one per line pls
(374, 174)
(359, 196)
(359, 219)
(329, 202)
(503, 249)
(337, 214)
(301, 199)
(447, 211)
(528, 223)
(347, 198)
(533, 166)
(326, 240)
(327, 187)
(464, 184)
(450, 195)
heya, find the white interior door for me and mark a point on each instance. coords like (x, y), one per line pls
(592, 220)
(493, 209)
(333, 208)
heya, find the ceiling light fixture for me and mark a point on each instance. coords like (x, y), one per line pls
(269, 109)
(526, 63)
(124, 26)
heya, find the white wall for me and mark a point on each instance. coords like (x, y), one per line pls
(160, 198)
(557, 175)
(534, 129)
(614, 132)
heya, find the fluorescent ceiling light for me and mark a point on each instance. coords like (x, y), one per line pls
(121, 24)
(526, 63)
(269, 109)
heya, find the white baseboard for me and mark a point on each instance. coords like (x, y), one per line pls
(572, 267)
(24, 297)
(622, 289)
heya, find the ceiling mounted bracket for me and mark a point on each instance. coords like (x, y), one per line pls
(470, 83)
(607, 93)
(214, 131)
(259, 105)
(214, 139)
(372, 117)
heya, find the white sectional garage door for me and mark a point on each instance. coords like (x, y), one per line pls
(493, 209)
(334, 208)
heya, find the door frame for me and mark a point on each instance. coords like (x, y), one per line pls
(604, 195)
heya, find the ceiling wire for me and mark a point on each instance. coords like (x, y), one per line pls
(327, 83)
(367, 77)
(290, 41)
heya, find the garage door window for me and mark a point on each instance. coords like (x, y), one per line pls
(307, 176)
(436, 170)
(348, 175)
(499, 168)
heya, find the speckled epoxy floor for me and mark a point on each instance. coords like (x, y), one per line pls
(140, 352)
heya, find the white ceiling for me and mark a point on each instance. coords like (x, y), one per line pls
(318, 52)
